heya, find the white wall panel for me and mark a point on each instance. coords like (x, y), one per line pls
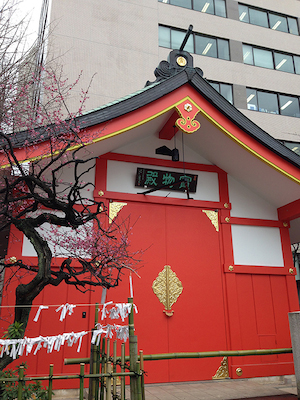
(257, 245)
(145, 147)
(247, 204)
(121, 178)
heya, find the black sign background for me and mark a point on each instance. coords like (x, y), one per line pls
(152, 178)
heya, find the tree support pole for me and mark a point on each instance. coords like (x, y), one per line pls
(93, 361)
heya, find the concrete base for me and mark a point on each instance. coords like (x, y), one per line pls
(294, 320)
(223, 389)
(68, 394)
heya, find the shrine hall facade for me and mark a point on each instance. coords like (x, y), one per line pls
(215, 202)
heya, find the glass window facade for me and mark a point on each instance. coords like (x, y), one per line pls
(278, 23)
(297, 64)
(268, 19)
(248, 54)
(223, 49)
(177, 38)
(220, 8)
(164, 38)
(271, 59)
(199, 44)
(273, 103)
(252, 100)
(262, 58)
(257, 17)
(293, 26)
(181, 3)
(267, 102)
(204, 6)
(289, 105)
(224, 89)
(294, 146)
(215, 7)
(283, 62)
(206, 46)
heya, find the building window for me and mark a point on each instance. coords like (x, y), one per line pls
(295, 147)
(273, 103)
(215, 7)
(268, 19)
(224, 89)
(271, 59)
(262, 58)
(197, 43)
(289, 106)
(206, 46)
(283, 62)
(177, 38)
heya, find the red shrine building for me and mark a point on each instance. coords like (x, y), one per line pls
(215, 201)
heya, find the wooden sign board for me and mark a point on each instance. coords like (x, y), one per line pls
(157, 179)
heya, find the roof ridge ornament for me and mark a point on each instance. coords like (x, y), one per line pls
(178, 61)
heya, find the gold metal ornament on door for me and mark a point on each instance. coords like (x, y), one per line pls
(167, 287)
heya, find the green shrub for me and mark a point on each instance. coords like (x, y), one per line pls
(9, 390)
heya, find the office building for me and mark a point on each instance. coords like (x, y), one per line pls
(248, 50)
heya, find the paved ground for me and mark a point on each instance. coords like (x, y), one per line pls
(277, 388)
(271, 388)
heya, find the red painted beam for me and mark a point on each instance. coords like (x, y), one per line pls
(289, 211)
(168, 131)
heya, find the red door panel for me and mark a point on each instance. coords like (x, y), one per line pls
(185, 239)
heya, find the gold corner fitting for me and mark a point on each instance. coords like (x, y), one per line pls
(222, 371)
(230, 268)
(167, 287)
(213, 216)
(291, 270)
(114, 209)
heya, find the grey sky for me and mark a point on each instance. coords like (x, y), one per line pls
(31, 9)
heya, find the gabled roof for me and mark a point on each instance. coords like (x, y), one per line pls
(168, 80)
(168, 84)
(226, 137)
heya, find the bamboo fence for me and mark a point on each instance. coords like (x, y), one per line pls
(106, 371)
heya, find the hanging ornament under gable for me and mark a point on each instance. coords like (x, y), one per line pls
(188, 110)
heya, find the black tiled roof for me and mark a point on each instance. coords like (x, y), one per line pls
(164, 86)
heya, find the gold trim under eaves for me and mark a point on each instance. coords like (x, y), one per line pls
(171, 107)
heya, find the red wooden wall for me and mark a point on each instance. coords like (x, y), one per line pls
(219, 308)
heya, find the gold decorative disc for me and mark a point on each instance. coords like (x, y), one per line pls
(181, 61)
